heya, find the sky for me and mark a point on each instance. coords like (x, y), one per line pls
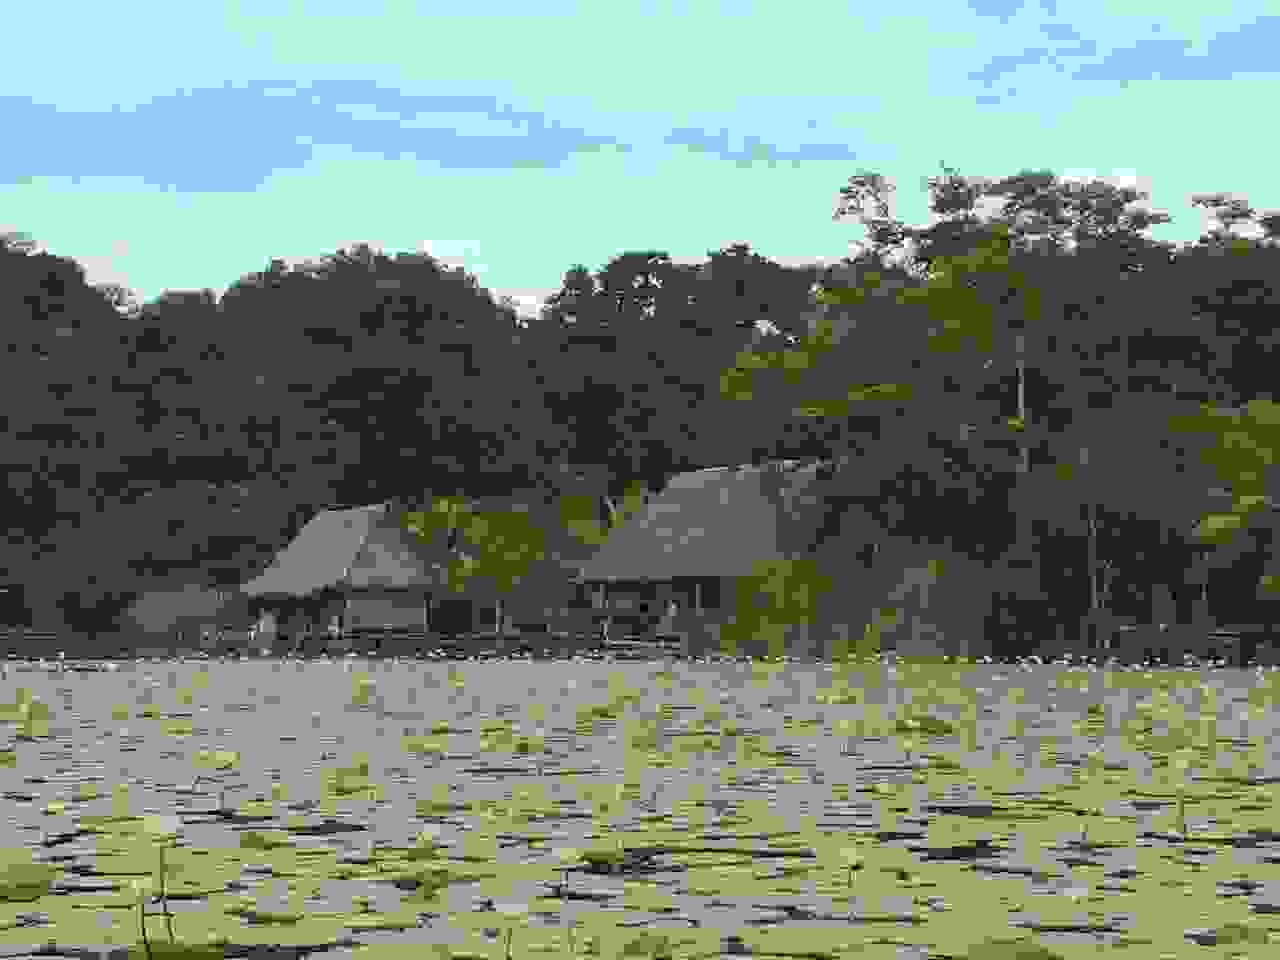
(181, 146)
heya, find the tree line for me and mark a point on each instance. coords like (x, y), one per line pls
(1052, 421)
(188, 438)
(995, 397)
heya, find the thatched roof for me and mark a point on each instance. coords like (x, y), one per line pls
(358, 547)
(710, 523)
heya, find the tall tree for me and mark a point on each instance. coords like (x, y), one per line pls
(968, 274)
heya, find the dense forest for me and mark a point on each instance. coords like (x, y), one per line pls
(1069, 418)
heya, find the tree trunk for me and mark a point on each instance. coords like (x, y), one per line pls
(1024, 462)
(1095, 593)
(1100, 625)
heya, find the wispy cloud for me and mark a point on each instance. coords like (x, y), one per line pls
(1248, 48)
(753, 150)
(232, 138)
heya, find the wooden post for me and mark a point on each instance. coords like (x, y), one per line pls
(1094, 590)
(1099, 588)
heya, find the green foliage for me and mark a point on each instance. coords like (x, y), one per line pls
(164, 950)
(1011, 950)
(31, 716)
(216, 759)
(1245, 442)
(430, 883)
(842, 408)
(979, 283)
(508, 547)
(655, 946)
(502, 545)
(1242, 933)
(952, 298)
(953, 293)
(263, 840)
(579, 514)
(778, 595)
(25, 882)
(926, 724)
(521, 552)
(736, 382)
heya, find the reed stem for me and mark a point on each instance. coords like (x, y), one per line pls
(142, 921)
(164, 899)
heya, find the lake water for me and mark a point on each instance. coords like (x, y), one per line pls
(293, 723)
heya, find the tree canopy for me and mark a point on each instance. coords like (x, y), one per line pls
(1018, 383)
(1044, 410)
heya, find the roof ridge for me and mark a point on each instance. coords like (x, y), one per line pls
(368, 506)
(741, 467)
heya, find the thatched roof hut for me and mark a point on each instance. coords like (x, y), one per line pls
(356, 570)
(360, 547)
(672, 567)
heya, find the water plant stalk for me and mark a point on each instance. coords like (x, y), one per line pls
(164, 899)
(142, 921)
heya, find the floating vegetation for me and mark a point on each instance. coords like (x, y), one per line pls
(578, 817)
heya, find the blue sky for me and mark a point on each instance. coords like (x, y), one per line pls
(181, 145)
